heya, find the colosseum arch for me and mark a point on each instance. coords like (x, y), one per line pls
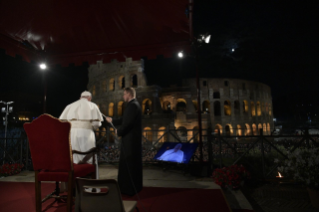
(263, 108)
(148, 134)
(217, 108)
(195, 105)
(103, 109)
(111, 135)
(247, 130)
(120, 108)
(112, 84)
(104, 85)
(97, 132)
(236, 107)
(93, 90)
(260, 127)
(147, 106)
(195, 134)
(265, 129)
(252, 95)
(258, 108)
(161, 132)
(239, 130)
(253, 109)
(167, 106)
(227, 108)
(268, 128)
(181, 105)
(206, 106)
(245, 106)
(122, 82)
(228, 130)
(134, 80)
(269, 109)
(103, 132)
(182, 133)
(254, 128)
(218, 127)
(111, 109)
(216, 95)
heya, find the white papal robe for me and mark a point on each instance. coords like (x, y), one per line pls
(84, 117)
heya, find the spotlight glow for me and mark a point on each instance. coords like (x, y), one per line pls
(180, 54)
(207, 39)
(43, 66)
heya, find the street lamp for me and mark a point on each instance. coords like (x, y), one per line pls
(195, 44)
(6, 110)
(43, 67)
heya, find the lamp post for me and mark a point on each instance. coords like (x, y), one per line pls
(43, 67)
(195, 44)
(6, 110)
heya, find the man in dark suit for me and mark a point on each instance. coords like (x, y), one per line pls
(130, 174)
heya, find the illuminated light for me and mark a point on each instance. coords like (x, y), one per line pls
(180, 54)
(232, 49)
(279, 175)
(43, 66)
(207, 39)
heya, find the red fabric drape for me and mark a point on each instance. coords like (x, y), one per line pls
(85, 31)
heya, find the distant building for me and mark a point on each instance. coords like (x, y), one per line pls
(233, 106)
(26, 107)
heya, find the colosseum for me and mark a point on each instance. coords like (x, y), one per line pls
(235, 107)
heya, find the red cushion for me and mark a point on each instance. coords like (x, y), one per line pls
(80, 170)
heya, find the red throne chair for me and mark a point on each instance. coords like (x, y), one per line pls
(51, 152)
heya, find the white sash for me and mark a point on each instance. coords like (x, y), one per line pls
(81, 124)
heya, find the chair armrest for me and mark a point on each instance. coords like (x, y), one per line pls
(92, 150)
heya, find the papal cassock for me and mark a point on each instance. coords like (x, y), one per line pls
(84, 117)
(130, 175)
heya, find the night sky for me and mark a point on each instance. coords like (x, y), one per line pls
(275, 43)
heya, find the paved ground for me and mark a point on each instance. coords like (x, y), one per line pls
(154, 176)
(276, 197)
(264, 197)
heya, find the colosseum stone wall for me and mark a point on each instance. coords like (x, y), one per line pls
(234, 106)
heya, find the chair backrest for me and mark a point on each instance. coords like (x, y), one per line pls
(49, 140)
(108, 199)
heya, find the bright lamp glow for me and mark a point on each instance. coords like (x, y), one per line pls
(207, 39)
(43, 66)
(180, 54)
(232, 49)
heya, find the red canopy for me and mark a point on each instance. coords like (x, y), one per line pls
(80, 31)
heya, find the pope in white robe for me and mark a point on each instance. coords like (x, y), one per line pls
(173, 155)
(84, 117)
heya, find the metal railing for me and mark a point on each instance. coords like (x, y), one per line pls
(256, 152)
(15, 150)
(109, 144)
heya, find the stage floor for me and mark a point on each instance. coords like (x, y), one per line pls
(154, 176)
